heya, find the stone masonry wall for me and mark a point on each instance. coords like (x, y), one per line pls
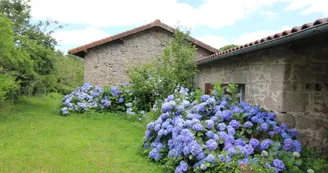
(290, 82)
(107, 64)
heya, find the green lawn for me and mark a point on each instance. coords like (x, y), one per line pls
(34, 138)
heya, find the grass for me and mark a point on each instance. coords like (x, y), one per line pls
(34, 138)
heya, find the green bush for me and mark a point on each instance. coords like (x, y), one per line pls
(8, 86)
(69, 73)
(314, 160)
(176, 66)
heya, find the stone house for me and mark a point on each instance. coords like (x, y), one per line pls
(286, 72)
(106, 60)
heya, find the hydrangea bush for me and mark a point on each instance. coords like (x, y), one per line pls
(108, 98)
(219, 134)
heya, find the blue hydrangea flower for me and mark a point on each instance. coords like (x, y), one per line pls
(205, 97)
(197, 127)
(121, 100)
(254, 142)
(248, 124)
(226, 115)
(183, 167)
(232, 151)
(221, 158)
(210, 158)
(292, 132)
(243, 162)
(266, 144)
(234, 123)
(209, 134)
(231, 130)
(155, 154)
(211, 144)
(64, 110)
(278, 164)
(264, 127)
(283, 127)
(221, 126)
(209, 124)
(240, 142)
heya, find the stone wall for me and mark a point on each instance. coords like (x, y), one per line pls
(291, 80)
(108, 64)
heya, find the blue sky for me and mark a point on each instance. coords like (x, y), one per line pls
(215, 22)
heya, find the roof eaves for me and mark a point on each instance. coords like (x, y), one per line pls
(156, 23)
(319, 26)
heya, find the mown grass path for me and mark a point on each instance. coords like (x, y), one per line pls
(34, 138)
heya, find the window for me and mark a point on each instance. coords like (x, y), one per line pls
(241, 89)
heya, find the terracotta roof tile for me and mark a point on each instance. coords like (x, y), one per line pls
(270, 38)
(156, 23)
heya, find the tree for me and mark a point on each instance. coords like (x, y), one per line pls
(227, 47)
(31, 60)
(176, 66)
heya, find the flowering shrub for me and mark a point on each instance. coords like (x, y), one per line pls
(158, 79)
(220, 135)
(113, 98)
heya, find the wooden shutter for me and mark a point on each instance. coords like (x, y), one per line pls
(208, 88)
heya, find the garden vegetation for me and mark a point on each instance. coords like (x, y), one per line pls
(29, 61)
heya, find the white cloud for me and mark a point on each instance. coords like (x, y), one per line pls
(104, 13)
(214, 41)
(79, 37)
(270, 14)
(309, 6)
(253, 36)
(219, 41)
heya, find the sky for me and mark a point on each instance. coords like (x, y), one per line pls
(215, 22)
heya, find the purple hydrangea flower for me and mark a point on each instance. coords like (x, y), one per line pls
(150, 125)
(221, 158)
(209, 134)
(277, 129)
(243, 162)
(283, 127)
(210, 158)
(64, 111)
(214, 118)
(292, 132)
(235, 124)
(121, 100)
(226, 115)
(205, 97)
(197, 127)
(232, 151)
(210, 101)
(266, 144)
(211, 144)
(298, 146)
(221, 126)
(289, 145)
(209, 124)
(278, 164)
(264, 127)
(240, 142)
(231, 130)
(155, 154)
(248, 124)
(183, 167)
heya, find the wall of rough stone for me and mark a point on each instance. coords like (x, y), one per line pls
(291, 80)
(108, 64)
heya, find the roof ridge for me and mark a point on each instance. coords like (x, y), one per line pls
(269, 38)
(156, 23)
